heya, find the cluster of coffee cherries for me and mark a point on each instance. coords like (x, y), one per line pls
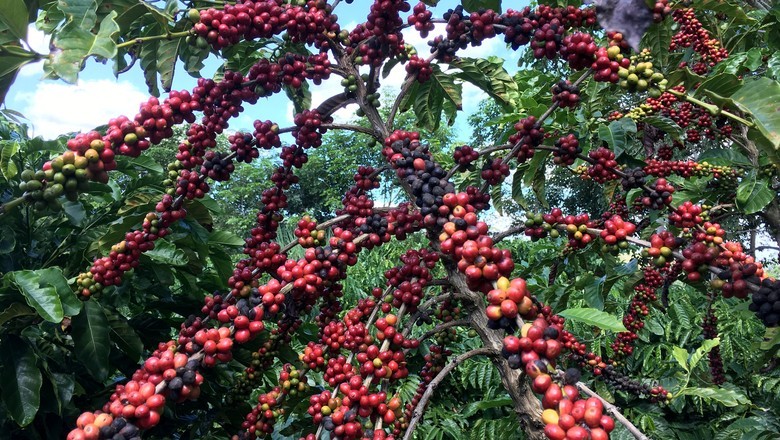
(419, 68)
(693, 34)
(687, 216)
(308, 234)
(413, 163)
(529, 134)
(766, 302)
(640, 76)
(709, 329)
(494, 171)
(662, 246)
(736, 279)
(421, 19)
(92, 426)
(615, 232)
(408, 280)
(508, 299)
(633, 178)
(309, 23)
(567, 150)
(380, 36)
(465, 155)
(603, 165)
(566, 94)
(576, 227)
(658, 195)
(566, 415)
(637, 310)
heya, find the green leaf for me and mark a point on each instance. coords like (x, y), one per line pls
(725, 397)
(7, 165)
(15, 310)
(167, 253)
(226, 238)
(657, 39)
(773, 66)
(44, 299)
(597, 318)
(130, 165)
(13, 17)
(771, 338)
(429, 98)
(20, 380)
(475, 5)
(54, 277)
(724, 157)
(75, 212)
(91, 340)
(77, 43)
(754, 59)
(700, 352)
(753, 194)
(759, 98)
(666, 125)
(7, 240)
(490, 76)
(82, 13)
(473, 407)
(148, 59)
(124, 336)
(616, 134)
(300, 97)
(594, 292)
(681, 356)
(735, 14)
(166, 60)
(11, 61)
(721, 85)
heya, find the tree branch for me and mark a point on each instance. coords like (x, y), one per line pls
(420, 409)
(614, 412)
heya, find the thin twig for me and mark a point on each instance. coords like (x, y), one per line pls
(420, 409)
(614, 412)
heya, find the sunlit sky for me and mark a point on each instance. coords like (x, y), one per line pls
(55, 107)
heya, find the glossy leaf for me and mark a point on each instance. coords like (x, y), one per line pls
(759, 99)
(20, 379)
(702, 351)
(167, 253)
(725, 397)
(490, 76)
(91, 339)
(77, 43)
(124, 336)
(7, 166)
(681, 356)
(724, 156)
(616, 134)
(754, 194)
(594, 317)
(666, 125)
(52, 276)
(43, 298)
(475, 5)
(13, 18)
(226, 238)
(735, 13)
(429, 98)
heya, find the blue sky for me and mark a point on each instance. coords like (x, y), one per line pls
(55, 107)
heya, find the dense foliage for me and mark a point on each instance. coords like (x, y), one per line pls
(631, 159)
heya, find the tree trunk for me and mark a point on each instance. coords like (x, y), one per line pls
(526, 404)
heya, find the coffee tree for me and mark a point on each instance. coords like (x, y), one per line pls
(670, 107)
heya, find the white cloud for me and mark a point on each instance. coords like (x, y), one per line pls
(59, 108)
